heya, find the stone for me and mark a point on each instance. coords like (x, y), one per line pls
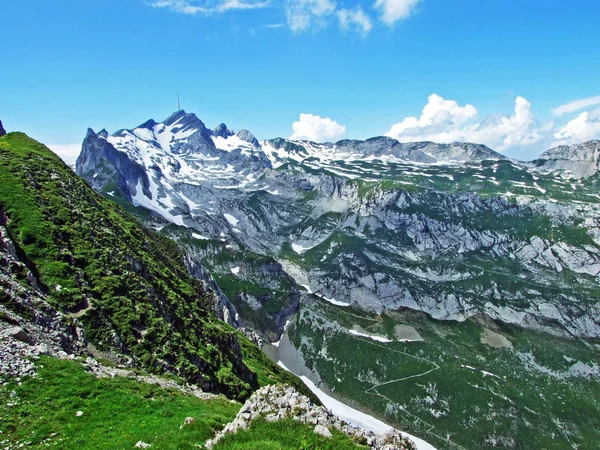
(142, 444)
(79, 413)
(19, 334)
(323, 431)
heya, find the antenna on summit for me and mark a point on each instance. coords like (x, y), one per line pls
(178, 103)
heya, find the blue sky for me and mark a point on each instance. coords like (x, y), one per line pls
(502, 72)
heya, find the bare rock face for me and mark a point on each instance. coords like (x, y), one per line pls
(2, 130)
(29, 325)
(580, 160)
(280, 402)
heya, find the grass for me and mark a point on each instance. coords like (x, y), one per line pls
(117, 412)
(284, 435)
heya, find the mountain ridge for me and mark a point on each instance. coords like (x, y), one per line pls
(127, 285)
(338, 218)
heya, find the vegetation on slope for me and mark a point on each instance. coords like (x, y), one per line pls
(125, 283)
(475, 384)
(116, 413)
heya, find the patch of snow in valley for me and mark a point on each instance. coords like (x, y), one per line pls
(200, 237)
(235, 270)
(370, 336)
(299, 248)
(483, 372)
(332, 300)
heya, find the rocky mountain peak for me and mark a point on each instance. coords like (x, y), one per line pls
(586, 151)
(581, 160)
(222, 131)
(2, 130)
(455, 151)
(149, 124)
(184, 120)
(176, 116)
(245, 135)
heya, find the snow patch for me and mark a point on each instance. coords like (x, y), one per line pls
(370, 336)
(276, 344)
(299, 248)
(355, 417)
(332, 300)
(232, 220)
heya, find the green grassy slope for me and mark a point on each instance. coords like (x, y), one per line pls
(118, 412)
(125, 283)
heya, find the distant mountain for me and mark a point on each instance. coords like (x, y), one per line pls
(378, 224)
(580, 160)
(2, 130)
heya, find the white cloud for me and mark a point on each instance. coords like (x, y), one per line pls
(576, 105)
(68, 153)
(194, 7)
(301, 15)
(584, 127)
(319, 129)
(304, 14)
(355, 19)
(236, 4)
(437, 114)
(392, 11)
(445, 121)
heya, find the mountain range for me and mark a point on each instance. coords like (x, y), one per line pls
(376, 265)
(443, 288)
(376, 223)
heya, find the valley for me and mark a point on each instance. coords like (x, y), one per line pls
(448, 290)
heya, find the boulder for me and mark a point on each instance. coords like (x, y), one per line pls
(323, 431)
(19, 334)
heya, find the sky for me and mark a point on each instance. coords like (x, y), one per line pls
(517, 75)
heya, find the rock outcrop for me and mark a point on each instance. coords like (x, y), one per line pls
(279, 402)
(29, 325)
(580, 160)
(2, 130)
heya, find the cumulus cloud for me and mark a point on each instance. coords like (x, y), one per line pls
(194, 7)
(391, 11)
(576, 105)
(355, 19)
(302, 15)
(584, 127)
(319, 129)
(67, 152)
(445, 121)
